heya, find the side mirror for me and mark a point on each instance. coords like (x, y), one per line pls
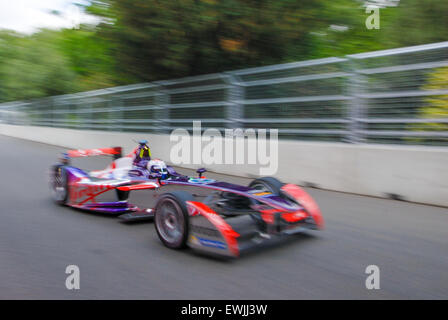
(200, 171)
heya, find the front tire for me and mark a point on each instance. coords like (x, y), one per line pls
(171, 219)
(267, 184)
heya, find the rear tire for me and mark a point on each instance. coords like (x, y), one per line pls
(59, 184)
(171, 219)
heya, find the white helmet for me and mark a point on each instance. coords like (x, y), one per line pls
(157, 166)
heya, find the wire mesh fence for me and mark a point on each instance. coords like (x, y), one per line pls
(397, 96)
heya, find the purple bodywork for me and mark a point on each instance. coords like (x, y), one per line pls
(231, 218)
(84, 189)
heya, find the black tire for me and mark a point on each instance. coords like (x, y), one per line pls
(268, 184)
(265, 184)
(59, 184)
(171, 219)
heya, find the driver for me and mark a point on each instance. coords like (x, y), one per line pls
(142, 154)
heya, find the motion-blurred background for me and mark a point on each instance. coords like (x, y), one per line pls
(55, 47)
(327, 92)
(358, 110)
(315, 70)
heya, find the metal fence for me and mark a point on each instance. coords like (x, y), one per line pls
(397, 96)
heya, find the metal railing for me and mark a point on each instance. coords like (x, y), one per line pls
(397, 96)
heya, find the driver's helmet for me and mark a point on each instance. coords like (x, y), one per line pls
(157, 169)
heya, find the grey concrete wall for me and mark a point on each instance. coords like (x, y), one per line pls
(418, 174)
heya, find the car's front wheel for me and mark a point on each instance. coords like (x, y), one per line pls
(267, 184)
(171, 219)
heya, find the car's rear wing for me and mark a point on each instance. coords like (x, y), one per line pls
(114, 151)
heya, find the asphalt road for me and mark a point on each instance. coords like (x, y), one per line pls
(38, 239)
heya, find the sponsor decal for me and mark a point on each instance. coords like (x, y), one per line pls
(212, 243)
(83, 193)
(200, 180)
(262, 193)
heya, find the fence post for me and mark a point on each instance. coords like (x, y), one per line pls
(162, 113)
(236, 94)
(79, 116)
(356, 105)
(52, 108)
(115, 113)
(43, 117)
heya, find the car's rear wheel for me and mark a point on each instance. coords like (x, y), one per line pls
(171, 219)
(59, 184)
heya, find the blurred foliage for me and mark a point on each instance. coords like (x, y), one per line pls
(432, 107)
(436, 106)
(29, 69)
(167, 39)
(147, 40)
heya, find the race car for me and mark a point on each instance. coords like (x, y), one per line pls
(207, 215)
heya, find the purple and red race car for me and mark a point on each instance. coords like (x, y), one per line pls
(207, 215)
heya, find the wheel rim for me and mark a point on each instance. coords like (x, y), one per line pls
(170, 220)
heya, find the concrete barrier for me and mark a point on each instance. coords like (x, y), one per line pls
(418, 174)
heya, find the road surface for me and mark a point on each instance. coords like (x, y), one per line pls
(38, 240)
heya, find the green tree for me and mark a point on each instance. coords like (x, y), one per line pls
(33, 67)
(148, 40)
(166, 39)
(90, 56)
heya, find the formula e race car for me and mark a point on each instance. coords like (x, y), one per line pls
(201, 213)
